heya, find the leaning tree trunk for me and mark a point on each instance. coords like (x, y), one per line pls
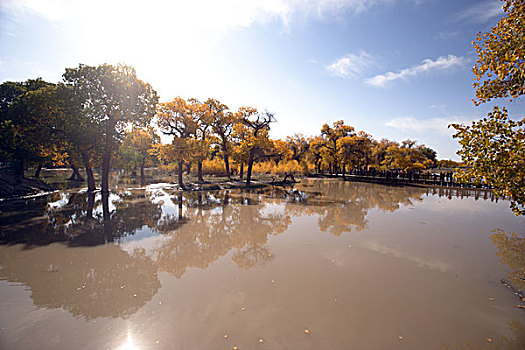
(89, 172)
(38, 170)
(76, 173)
(250, 165)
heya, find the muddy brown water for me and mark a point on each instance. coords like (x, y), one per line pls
(327, 265)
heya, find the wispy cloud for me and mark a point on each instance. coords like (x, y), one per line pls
(481, 12)
(350, 65)
(236, 12)
(441, 63)
(420, 261)
(434, 125)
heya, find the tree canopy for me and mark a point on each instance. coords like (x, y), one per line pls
(500, 68)
(493, 149)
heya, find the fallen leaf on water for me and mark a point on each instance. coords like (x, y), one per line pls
(261, 340)
(234, 348)
(491, 299)
(490, 340)
(226, 336)
(307, 331)
(400, 337)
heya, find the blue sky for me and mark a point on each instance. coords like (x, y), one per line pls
(393, 68)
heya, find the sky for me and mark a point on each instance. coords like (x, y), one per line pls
(395, 69)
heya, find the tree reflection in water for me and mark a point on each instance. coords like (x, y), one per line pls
(104, 281)
(90, 269)
(343, 206)
(511, 250)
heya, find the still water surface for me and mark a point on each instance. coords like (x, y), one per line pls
(329, 265)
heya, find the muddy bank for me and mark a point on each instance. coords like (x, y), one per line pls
(13, 188)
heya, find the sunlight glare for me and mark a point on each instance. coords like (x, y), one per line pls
(128, 345)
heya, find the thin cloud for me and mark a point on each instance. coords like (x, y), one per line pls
(227, 12)
(441, 63)
(482, 12)
(350, 65)
(434, 125)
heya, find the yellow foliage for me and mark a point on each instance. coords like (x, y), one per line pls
(291, 166)
(215, 167)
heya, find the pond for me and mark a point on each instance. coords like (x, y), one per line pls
(324, 265)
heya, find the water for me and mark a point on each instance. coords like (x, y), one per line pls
(327, 265)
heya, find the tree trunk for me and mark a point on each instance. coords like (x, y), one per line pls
(181, 184)
(188, 168)
(105, 206)
(250, 165)
(199, 171)
(180, 208)
(241, 171)
(344, 171)
(19, 170)
(76, 173)
(106, 162)
(106, 157)
(89, 172)
(227, 165)
(142, 165)
(38, 169)
(91, 205)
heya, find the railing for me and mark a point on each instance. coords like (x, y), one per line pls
(445, 179)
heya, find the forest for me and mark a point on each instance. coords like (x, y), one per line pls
(104, 117)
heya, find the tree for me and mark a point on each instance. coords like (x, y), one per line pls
(81, 132)
(200, 145)
(500, 67)
(315, 151)
(113, 98)
(258, 125)
(26, 111)
(136, 146)
(332, 134)
(222, 122)
(299, 146)
(174, 118)
(354, 150)
(494, 150)
(407, 157)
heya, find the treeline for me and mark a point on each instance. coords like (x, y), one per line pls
(105, 116)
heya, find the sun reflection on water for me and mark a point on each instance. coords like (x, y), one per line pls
(129, 344)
